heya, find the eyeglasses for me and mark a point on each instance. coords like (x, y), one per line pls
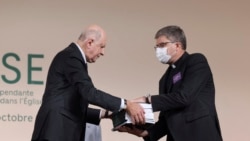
(162, 45)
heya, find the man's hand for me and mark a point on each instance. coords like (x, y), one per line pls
(136, 112)
(139, 99)
(133, 130)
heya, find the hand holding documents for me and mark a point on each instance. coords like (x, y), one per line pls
(121, 118)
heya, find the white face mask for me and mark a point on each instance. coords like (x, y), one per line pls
(161, 54)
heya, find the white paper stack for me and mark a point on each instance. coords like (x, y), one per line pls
(122, 118)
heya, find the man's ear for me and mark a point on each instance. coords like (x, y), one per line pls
(89, 42)
(179, 45)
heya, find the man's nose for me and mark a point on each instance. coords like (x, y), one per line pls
(102, 52)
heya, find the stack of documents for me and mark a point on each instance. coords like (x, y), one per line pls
(122, 118)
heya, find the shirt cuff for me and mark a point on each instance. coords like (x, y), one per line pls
(123, 104)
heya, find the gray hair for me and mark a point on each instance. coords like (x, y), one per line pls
(174, 34)
(96, 34)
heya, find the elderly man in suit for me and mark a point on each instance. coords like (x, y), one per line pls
(69, 90)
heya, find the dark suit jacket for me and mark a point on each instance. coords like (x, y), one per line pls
(186, 102)
(69, 90)
(93, 116)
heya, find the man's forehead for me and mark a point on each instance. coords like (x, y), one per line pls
(162, 38)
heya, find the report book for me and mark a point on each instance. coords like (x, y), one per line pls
(121, 118)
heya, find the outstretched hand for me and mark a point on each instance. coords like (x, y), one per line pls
(141, 99)
(136, 112)
(133, 130)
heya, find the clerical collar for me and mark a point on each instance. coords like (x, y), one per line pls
(83, 55)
